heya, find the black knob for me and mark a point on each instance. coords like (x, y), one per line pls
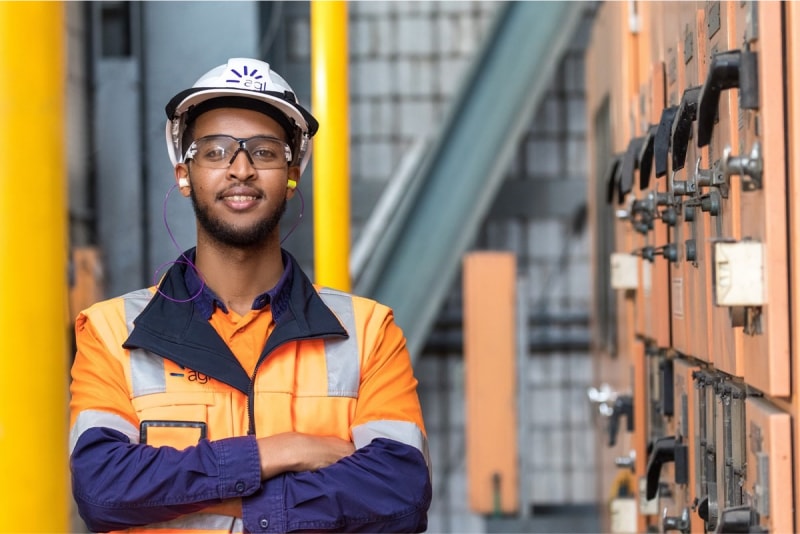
(691, 250)
(669, 216)
(670, 252)
(710, 203)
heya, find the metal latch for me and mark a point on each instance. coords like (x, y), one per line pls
(750, 168)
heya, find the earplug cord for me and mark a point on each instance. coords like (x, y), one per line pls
(184, 261)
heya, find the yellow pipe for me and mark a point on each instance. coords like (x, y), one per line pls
(34, 481)
(330, 103)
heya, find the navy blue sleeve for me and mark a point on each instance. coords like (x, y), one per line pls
(117, 484)
(382, 487)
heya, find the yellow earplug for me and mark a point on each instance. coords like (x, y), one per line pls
(292, 184)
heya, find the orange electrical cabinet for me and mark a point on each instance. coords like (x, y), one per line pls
(792, 41)
(689, 315)
(610, 86)
(730, 439)
(653, 306)
(765, 331)
(706, 447)
(716, 128)
(686, 436)
(767, 486)
(490, 381)
(725, 310)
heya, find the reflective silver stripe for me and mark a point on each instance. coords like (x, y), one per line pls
(402, 431)
(95, 418)
(135, 303)
(341, 355)
(201, 521)
(147, 369)
(147, 373)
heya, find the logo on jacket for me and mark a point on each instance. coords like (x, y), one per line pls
(191, 376)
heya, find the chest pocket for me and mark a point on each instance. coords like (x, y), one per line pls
(175, 419)
(173, 409)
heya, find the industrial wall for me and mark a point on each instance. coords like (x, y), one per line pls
(692, 205)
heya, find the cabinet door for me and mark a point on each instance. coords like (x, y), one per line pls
(763, 215)
(725, 222)
(686, 435)
(689, 320)
(768, 483)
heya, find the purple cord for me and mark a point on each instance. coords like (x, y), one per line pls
(178, 248)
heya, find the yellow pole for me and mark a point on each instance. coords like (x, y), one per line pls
(330, 103)
(34, 486)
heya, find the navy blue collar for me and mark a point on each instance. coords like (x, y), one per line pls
(171, 324)
(207, 300)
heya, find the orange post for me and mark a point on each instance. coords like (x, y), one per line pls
(490, 382)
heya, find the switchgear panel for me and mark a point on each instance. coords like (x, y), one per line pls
(705, 114)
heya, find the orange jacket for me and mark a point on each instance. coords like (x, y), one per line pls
(170, 390)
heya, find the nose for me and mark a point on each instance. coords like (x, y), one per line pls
(241, 167)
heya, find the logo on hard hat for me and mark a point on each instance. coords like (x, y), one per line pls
(249, 79)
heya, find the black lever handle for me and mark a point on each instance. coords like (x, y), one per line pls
(630, 162)
(748, 80)
(623, 405)
(667, 386)
(735, 520)
(612, 179)
(663, 452)
(646, 158)
(662, 140)
(723, 73)
(682, 126)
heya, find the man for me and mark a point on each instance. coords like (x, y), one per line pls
(236, 396)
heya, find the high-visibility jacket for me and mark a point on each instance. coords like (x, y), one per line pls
(164, 419)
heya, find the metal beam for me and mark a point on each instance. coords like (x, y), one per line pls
(463, 171)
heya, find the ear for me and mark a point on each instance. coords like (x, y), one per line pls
(293, 179)
(182, 178)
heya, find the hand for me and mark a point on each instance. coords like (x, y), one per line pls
(294, 451)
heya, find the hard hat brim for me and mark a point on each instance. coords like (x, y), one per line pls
(191, 97)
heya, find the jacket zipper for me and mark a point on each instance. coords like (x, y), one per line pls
(251, 393)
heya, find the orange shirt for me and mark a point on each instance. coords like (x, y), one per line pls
(246, 334)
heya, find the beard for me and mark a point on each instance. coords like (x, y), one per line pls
(227, 234)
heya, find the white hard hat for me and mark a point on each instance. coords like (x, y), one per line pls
(245, 80)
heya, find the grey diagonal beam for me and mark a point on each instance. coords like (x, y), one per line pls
(462, 172)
